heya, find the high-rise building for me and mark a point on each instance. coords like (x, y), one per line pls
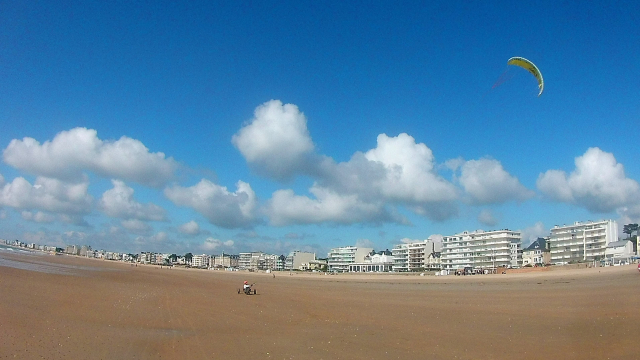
(296, 259)
(482, 250)
(582, 241)
(414, 256)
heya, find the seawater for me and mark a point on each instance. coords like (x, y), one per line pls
(36, 261)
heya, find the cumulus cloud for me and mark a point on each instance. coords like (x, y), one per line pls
(38, 217)
(629, 214)
(72, 152)
(365, 243)
(217, 204)
(211, 244)
(487, 182)
(119, 203)
(286, 208)
(46, 194)
(598, 183)
(190, 228)
(276, 141)
(409, 171)
(486, 217)
(156, 242)
(369, 187)
(532, 233)
(136, 226)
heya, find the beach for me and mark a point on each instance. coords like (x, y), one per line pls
(79, 308)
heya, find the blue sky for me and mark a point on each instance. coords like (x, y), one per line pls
(235, 126)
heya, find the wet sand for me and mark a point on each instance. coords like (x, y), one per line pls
(106, 310)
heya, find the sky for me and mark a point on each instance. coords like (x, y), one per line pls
(234, 126)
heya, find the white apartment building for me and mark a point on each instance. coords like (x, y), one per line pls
(339, 258)
(224, 261)
(582, 241)
(414, 256)
(481, 249)
(249, 261)
(268, 262)
(298, 260)
(200, 261)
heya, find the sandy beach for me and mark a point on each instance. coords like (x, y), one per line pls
(75, 308)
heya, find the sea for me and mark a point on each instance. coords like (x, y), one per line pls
(25, 259)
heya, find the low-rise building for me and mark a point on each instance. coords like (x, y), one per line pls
(374, 262)
(536, 253)
(619, 252)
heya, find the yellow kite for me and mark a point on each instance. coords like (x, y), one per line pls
(529, 66)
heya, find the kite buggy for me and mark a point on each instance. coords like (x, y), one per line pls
(247, 289)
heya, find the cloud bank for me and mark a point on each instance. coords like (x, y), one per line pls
(73, 152)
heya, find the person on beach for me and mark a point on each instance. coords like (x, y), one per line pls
(246, 286)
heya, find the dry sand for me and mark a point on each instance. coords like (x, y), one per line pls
(94, 309)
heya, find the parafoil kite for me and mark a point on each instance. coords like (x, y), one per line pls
(530, 67)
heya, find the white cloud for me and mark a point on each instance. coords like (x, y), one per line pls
(369, 186)
(487, 182)
(532, 233)
(1, 180)
(79, 149)
(47, 194)
(216, 203)
(409, 175)
(38, 217)
(276, 142)
(119, 203)
(136, 226)
(365, 243)
(486, 217)
(157, 242)
(598, 183)
(629, 215)
(190, 228)
(211, 244)
(286, 208)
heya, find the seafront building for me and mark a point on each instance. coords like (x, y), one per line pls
(200, 261)
(339, 258)
(416, 256)
(536, 253)
(224, 261)
(581, 241)
(480, 249)
(374, 262)
(299, 260)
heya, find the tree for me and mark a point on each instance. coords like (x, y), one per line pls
(188, 257)
(630, 229)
